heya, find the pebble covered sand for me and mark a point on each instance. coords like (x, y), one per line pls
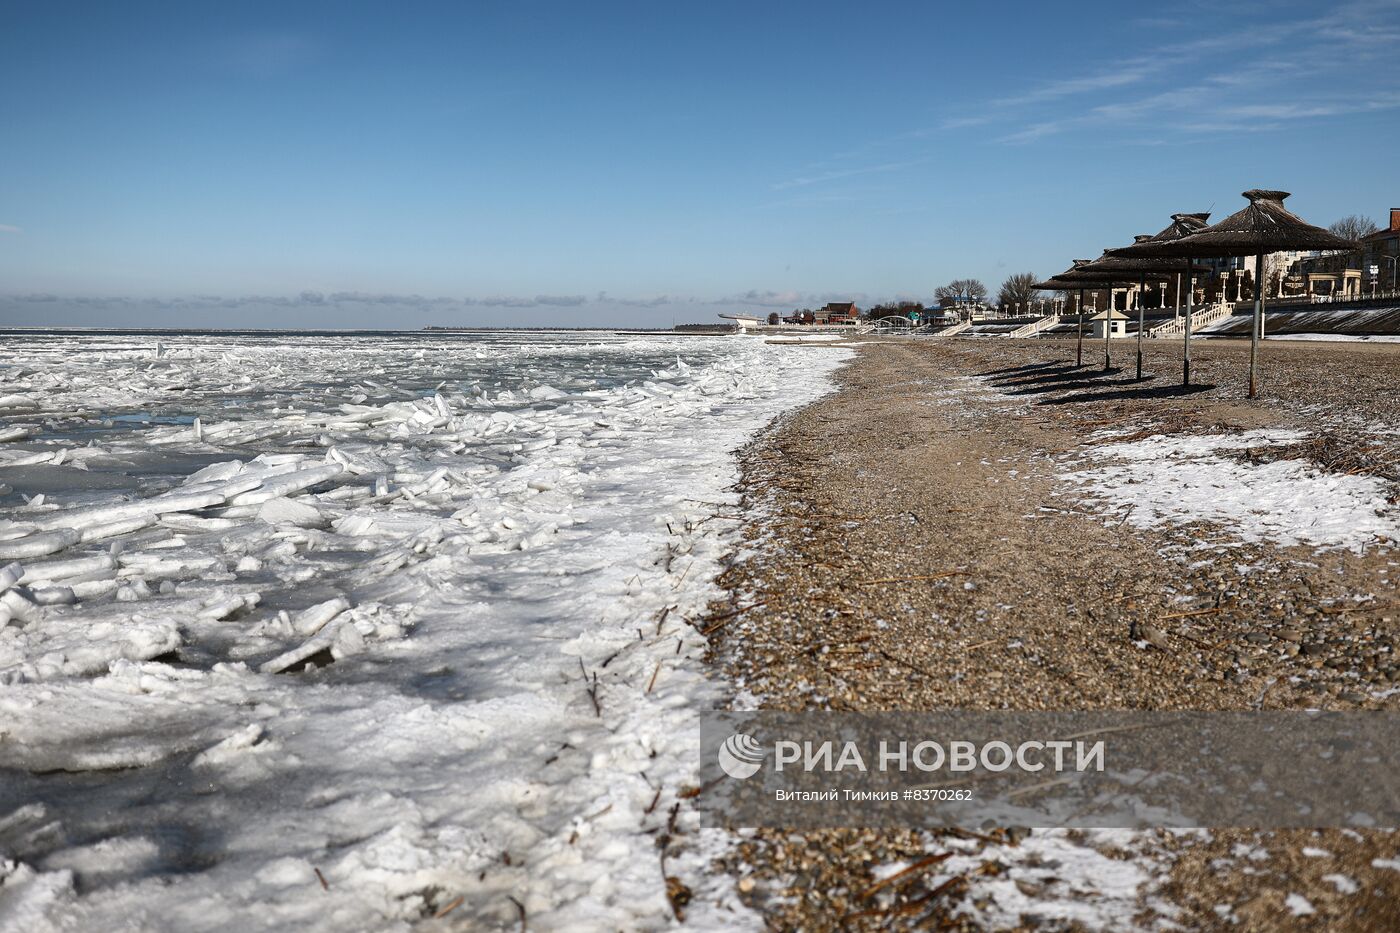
(966, 524)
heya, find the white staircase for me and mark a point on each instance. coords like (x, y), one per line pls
(954, 330)
(1201, 318)
(1034, 328)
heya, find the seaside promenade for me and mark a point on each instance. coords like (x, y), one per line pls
(1012, 532)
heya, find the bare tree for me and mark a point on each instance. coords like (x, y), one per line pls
(1018, 289)
(1354, 227)
(972, 288)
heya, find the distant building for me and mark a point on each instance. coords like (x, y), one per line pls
(837, 312)
(1382, 250)
(1327, 274)
(1357, 273)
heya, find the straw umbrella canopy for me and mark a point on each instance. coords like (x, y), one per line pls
(1109, 272)
(1145, 268)
(1061, 283)
(1057, 284)
(1264, 227)
(1184, 225)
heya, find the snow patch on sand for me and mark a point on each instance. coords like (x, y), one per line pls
(1051, 878)
(1174, 480)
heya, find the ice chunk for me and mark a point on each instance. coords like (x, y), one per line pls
(69, 647)
(63, 569)
(215, 472)
(28, 896)
(53, 596)
(291, 512)
(231, 747)
(116, 528)
(310, 621)
(39, 543)
(287, 483)
(223, 607)
(320, 642)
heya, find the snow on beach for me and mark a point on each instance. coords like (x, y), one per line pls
(1338, 338)
(345, 633)
(1179, 479)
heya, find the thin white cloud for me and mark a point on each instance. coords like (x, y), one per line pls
(790, 299)
(959, 123)
(9, 228)
(1037, 131)
(1273, 77)
(1119, 76)
(836, 174)
(767, 299)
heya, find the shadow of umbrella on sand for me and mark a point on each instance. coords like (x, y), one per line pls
(1264, 227)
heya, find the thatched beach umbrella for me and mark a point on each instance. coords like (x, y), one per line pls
(1264, 227)
(1108, 272)
(1145, 268)
(1057, 284)
(1061, 283)
(1184, 225)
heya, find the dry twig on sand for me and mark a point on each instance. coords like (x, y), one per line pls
(921, 865)
(723, 618)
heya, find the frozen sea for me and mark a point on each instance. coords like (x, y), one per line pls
(317, 631)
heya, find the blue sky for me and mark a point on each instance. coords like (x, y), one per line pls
(351, 164)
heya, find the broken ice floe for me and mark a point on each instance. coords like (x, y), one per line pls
(262, 527)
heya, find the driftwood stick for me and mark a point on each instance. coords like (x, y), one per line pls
(520, 909)
(920, 865)
(724, 617)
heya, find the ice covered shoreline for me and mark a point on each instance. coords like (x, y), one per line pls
(487, 551)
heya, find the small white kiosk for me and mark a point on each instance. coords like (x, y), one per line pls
(1114, 319)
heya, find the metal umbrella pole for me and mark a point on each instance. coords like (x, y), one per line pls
(1256, 330)
(1264, 295)
(1079, 344)
(1190, 293)
(1142, 292)
(1108, 330)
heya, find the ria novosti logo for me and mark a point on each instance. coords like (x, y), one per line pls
(740, 756)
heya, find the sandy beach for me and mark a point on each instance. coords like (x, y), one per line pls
(956, 528)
